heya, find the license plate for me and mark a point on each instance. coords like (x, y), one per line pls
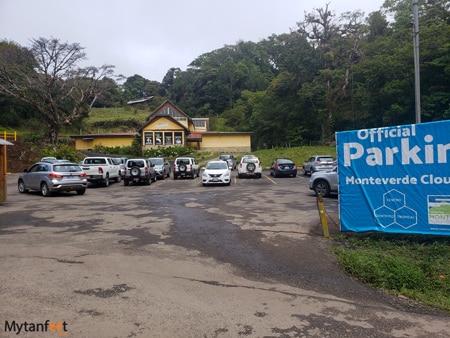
(215, 179)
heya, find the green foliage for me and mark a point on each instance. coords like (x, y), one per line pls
(46, 77)
(62, 151)
(169, 152)
(414, 266)
(332, 73)
(297, 154)
(122, 125)
(135, 150)
(32, 138)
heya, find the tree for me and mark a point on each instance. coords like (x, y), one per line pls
(338, 43)
(46, 77)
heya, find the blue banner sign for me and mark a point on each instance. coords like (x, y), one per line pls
(395, 179)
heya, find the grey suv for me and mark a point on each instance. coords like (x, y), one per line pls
(231, 160)
(318, 163)
(185, 167)
(51, 176)
(324, 182)
(162, 167)
(139, 170)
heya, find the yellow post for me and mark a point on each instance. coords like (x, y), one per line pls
(323, 217)
(3, 173)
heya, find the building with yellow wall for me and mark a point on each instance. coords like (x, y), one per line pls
(170, 126)
(90, 141)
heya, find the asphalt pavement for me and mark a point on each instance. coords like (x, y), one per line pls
(176, 259)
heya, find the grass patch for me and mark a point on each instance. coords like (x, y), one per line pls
(119, 113)
(417, 267)
(297, 154)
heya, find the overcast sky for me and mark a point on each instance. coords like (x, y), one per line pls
(148, 37)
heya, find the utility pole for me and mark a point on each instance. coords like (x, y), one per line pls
(416, 58)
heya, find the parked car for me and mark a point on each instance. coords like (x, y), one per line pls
(139, 170)
(51, 176)
(120, 161)
(318, 163)
(250, 166)
(283, 167)
(324, 182)
(185, 167)
(216, 172)
(230, 159)
(48, 158)
(101, 170)
(162, 167)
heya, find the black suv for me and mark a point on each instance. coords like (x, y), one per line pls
(185, 167)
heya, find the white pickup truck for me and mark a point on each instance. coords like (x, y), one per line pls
(101, 170)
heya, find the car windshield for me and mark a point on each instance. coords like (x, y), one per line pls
(135, 163)
(325, 159)
(157, 161)
(66, 168)
(95, 161)
(250, 160)
(284, 161)
(217, 165)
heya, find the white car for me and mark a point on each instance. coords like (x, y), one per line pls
(250, 166)
(216, 172)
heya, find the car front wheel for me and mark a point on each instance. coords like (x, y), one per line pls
(321, 187)
(21, 187)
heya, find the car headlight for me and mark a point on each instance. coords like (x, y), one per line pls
(204, 175)
(227, 174)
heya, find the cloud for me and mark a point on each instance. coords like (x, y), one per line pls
(149, 37)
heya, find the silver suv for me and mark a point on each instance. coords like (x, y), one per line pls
(324, 182)
(318, 163)
(139, 170)
(231, 160)
(185, 167)
(162, 167)
(51, 176)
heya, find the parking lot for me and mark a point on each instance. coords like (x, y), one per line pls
(176, 259)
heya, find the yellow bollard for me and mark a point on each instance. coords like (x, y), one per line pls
(323, 217)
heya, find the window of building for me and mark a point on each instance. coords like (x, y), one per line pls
(148, 138)
(178, 138)
(172, 113)
(200, 123)
(158, 138)
(168, 138)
